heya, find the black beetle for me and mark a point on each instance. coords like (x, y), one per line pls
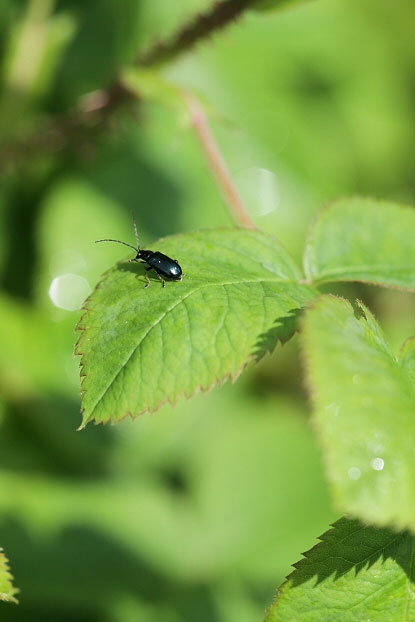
(163, 265)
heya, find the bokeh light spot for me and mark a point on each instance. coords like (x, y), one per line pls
(378, 464)
(354, 472)
(68, 291)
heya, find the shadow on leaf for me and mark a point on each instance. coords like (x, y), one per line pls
(352, 545)
(281, 331)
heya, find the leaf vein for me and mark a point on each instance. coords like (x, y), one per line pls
(171, 308)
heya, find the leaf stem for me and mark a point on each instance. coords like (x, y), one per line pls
(217, 163)
(218, 16)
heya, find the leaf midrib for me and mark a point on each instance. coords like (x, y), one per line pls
(160, 319)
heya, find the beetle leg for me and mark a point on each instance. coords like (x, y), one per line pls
(147, 279)
(161, 279)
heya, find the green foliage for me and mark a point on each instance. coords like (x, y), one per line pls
(141, 347)
(106, 37)
(201, 509)
(364, 400)
(23, 334)
(167, 507)
(363, 240)
(154, 87)
(7, 590)
(356, 573)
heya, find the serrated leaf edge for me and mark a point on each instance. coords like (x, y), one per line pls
(323, 539)
(220, 381)
(4, 564)
(312, 391)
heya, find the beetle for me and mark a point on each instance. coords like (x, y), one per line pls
(165, 267)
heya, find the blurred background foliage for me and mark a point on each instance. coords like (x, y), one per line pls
(197, 512)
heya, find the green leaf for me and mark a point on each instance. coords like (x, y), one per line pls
(363, 240)
(153, 86)
(141, 347)
(364, 402)
(356, 573)
(7, 590)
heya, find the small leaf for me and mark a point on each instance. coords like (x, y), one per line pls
(363, 240)
(141, 347)
(356, 573)
(364, 402)
(7, 590)
(153, 86)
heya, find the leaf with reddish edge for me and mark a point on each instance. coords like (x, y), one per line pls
(241, 293)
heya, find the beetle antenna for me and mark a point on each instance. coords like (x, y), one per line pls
(137, 250)
(135, 230)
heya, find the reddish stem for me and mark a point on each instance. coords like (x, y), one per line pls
(217, 162)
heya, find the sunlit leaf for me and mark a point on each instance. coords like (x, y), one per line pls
(363, 240)
(7, 590)
(153, 86)
(141, 347)
(355, 573)
(364, 402)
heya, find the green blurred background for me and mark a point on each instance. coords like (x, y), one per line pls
(196, 512)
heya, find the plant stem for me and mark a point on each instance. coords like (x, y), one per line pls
(76, 128)
(217, 163)
(219, 15)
